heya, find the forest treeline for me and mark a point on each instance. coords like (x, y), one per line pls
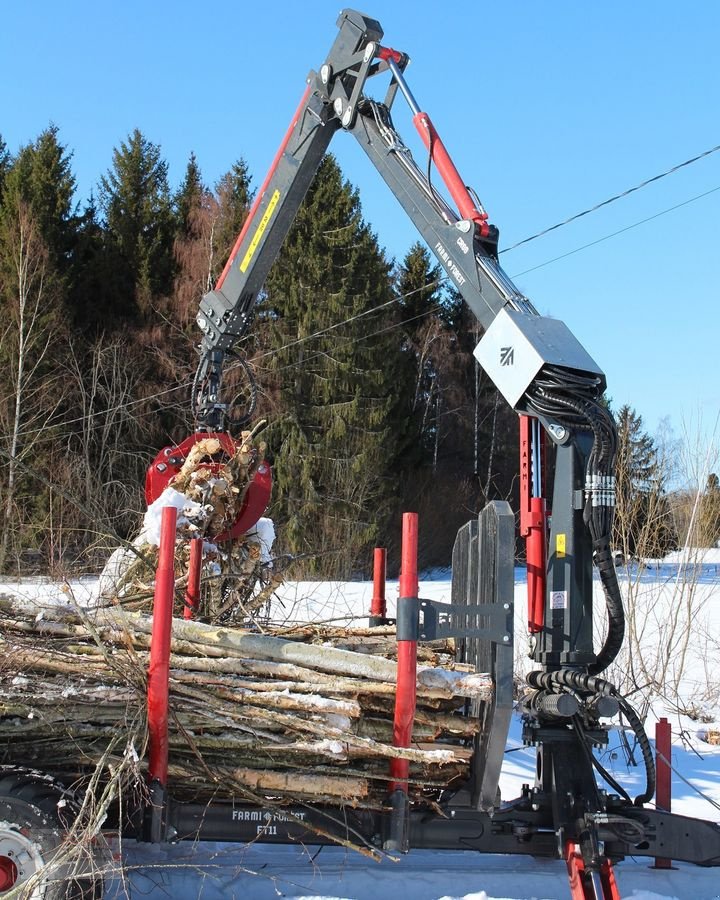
(374, 402)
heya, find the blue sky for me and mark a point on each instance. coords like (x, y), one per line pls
(546, 108)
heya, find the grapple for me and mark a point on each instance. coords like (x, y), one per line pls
(169, 461)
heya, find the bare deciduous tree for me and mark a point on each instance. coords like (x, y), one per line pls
(32, 389)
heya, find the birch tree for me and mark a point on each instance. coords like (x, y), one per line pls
(31, 390)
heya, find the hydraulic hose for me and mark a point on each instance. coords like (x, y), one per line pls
(575, 680)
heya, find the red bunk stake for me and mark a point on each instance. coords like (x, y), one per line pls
(407, 654)
(159, 668)
(378, 607)
(663, 788)
(192, 592)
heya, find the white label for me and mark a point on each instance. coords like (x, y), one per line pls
(558, 599)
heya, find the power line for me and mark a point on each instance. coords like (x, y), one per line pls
(615, 233)
(610, 200)
(436, 283)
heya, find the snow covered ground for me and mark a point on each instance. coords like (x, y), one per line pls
(234, 871)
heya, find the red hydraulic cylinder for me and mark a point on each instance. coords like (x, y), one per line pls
(192, 592)
(663, 785)
(533, 518)
(450, 175)
(159, 668)
(378, 605)
(406, 694)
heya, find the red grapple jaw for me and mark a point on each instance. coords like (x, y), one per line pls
(169, 461)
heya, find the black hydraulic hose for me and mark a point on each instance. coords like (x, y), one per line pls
(591, 684)
(614, 605)
(572, 400)
(645, 749)
(595, 762)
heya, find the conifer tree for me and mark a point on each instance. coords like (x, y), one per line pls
(234, 196)
(643, 523)
(198, 213)
(135, 200)
(335, 427)
(41, 177)
(5, 160)
(709, 513)
(189, 197)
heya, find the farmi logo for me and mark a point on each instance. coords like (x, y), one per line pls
(507, 356)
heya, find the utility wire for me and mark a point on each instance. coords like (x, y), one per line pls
(440, 281)
(683, 778)
(615, 233)
(610, 200)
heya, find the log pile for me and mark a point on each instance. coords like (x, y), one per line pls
(259, 713)
(296, 717)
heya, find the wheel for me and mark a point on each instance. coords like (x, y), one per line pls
(35, 812)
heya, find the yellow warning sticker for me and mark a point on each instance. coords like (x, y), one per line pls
(259, 231)
(560, 545)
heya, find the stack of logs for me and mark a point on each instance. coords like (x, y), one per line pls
(304, 713)
(295, 716)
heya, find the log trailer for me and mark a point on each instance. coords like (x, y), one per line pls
(549, 379)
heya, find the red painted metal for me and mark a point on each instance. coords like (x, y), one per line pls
(386, 53)
(263, 187)
(580, 887)
(406, 693)
(256, 502)
(378, 606)
(192, 592)
(533, 517)
(159, 667)
(168, 463)
(449, 174)
(663, 784)
(8, 873)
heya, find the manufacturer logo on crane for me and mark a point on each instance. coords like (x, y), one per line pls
(507, 356)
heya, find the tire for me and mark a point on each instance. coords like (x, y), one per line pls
(35, 813)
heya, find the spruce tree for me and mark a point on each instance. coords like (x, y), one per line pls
(234, 196)
(5, 160)
(709, 513)
(189, 197)
(335, 424)
(643, 523)
(135, 199)
(41, 177)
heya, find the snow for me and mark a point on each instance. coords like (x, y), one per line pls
(214, 870)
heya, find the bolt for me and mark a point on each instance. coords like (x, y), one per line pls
(506, 606)
(452, 813)
(506, 638)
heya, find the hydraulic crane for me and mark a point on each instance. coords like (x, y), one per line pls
(556, 387)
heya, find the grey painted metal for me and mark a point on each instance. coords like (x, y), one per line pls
(337, 100)
(567, 638)
(515, 348)
(485, 557)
